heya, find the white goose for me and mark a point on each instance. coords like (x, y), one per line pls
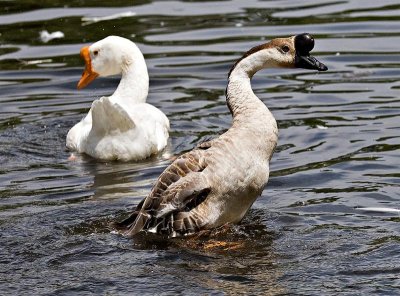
(218, 181)
(122, 126)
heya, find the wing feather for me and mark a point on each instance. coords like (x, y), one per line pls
(108, 116)
(180, 187)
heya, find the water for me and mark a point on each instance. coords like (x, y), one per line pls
(338, 150)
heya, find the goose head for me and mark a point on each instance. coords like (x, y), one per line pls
(112, 55)
(291, 52)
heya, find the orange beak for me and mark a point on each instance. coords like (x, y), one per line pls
(88, 74)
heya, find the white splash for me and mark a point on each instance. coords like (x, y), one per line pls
(96, 19)
(45, 36)
(321, 127)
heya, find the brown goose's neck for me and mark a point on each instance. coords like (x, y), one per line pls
(240, 97)
(252, 120)
(241, 100)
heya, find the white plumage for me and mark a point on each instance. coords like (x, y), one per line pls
(122, 126)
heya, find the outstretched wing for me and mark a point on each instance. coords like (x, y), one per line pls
(181, 187)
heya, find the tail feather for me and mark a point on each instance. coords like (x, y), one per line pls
(125, 224)
(133, 224)
(140, 222)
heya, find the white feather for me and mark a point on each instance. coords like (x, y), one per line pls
(122, 126)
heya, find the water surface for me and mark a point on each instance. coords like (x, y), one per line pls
(338, 150)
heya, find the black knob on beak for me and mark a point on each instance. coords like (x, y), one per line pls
(304, 43)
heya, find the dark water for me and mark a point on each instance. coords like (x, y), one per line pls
(338, 150)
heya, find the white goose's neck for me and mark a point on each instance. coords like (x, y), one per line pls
(242, 102)
(134, 84)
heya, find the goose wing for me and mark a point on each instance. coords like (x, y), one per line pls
(181, 187)
(108, 117)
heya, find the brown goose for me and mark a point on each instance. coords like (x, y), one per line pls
(217, 182)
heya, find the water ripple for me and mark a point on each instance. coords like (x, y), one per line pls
(338, 150)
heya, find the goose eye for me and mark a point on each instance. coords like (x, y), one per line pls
(285, 48)
(95, 52)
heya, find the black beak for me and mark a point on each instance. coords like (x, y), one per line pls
(303, 44)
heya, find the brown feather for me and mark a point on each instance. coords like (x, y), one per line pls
(179, 188)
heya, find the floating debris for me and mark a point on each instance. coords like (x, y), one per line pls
(36, 62)
(382, 210)
(358, 74)
(321, 127)
(45, 36)
(96, 19)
